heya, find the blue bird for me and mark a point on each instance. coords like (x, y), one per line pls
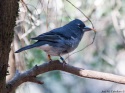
(61, 40)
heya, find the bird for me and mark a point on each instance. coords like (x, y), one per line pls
(60, 41)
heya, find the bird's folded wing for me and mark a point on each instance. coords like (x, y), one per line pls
(53, 38)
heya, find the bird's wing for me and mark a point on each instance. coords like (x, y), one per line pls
(53, 35)
(52, 38)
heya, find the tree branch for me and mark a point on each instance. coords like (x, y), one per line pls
(56, 65)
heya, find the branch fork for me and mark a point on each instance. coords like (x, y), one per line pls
(30, 75)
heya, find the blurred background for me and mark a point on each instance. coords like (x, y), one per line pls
(106, 54)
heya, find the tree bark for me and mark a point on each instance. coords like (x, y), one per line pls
(8, 13)
(30, 75)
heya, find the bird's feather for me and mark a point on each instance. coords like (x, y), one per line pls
(55, 34)
(37, 44)
(60, 40)
(25, 48)
(51, 38)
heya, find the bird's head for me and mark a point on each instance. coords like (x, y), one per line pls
(78, 24)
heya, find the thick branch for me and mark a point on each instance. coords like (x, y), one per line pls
(56, 65)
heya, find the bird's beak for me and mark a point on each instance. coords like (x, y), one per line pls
(88, 29)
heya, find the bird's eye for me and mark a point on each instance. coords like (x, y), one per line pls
(79, 25)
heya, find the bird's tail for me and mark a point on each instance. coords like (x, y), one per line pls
(26, 47)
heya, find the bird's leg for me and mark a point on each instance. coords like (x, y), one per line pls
(49, 57)
(64, 62)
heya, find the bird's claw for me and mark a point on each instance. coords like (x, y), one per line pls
(64, 62)
(49, 57)
(50, 61)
